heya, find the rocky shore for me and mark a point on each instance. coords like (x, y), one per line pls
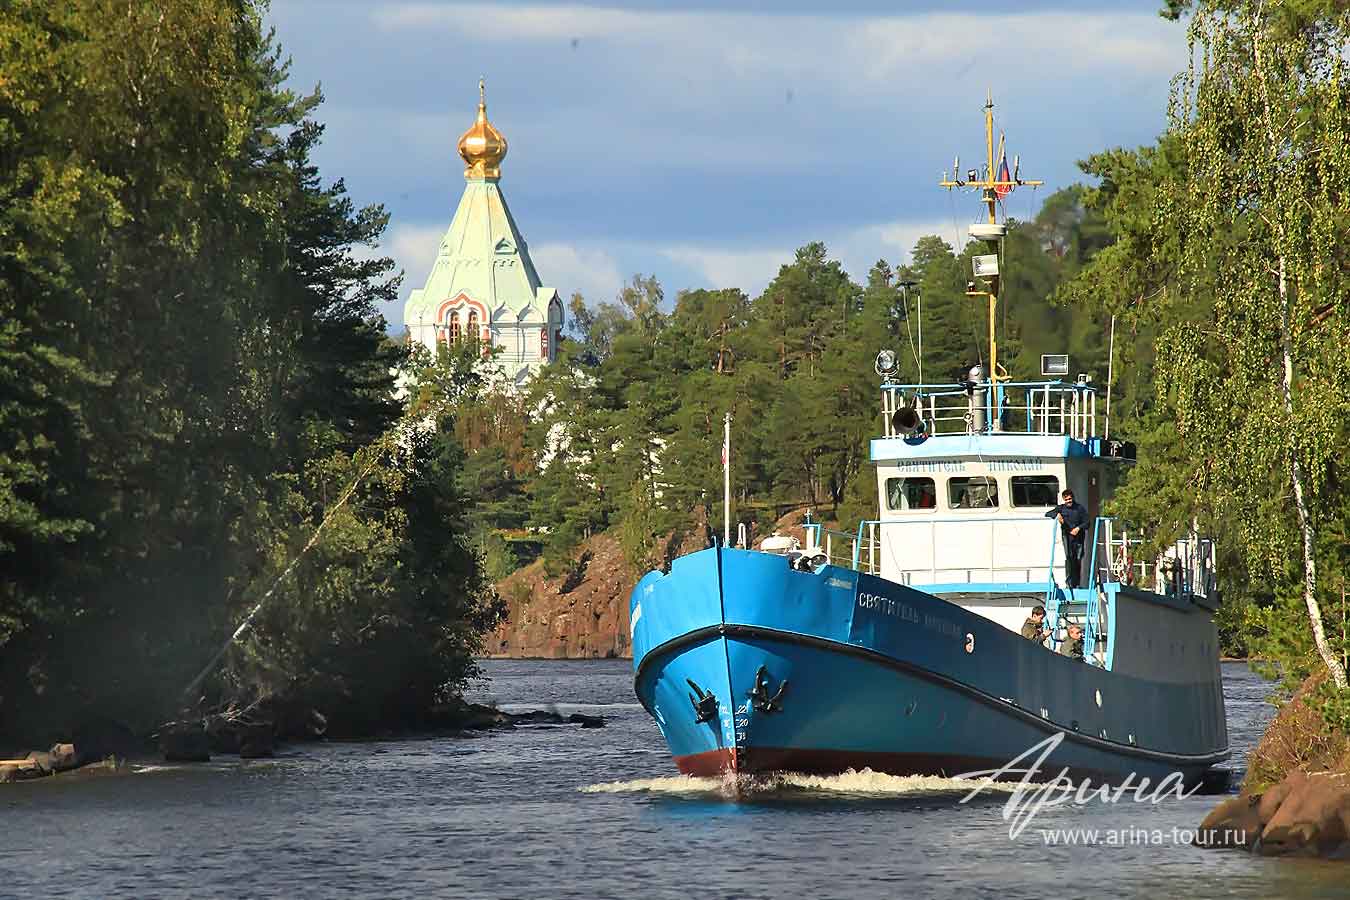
(199, 739)
(1295, 800)
(583, 614)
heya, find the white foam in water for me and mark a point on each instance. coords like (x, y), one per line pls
(863, 784)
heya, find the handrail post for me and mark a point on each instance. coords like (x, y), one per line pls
(1092, 568)
(872, 548)
(857, 544)
(1050, 574)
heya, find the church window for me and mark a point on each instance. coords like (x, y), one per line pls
(454, 327)
(543, 342)
(471, 332)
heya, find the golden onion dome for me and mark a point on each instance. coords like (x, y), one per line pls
(482, 146)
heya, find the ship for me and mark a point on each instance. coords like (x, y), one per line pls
(899, 647)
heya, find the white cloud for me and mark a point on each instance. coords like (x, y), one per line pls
(749, 269)
(877, 48)
(569, 267)
(414, 249)
(857, 249)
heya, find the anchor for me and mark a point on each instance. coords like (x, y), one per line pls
(705, 705)
(759, 694)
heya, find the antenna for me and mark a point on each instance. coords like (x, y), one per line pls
(993, 187)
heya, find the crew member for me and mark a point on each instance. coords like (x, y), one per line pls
(1033, 629)
(1073, 644)
(1073, 521)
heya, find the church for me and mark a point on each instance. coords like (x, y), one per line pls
(483, 284)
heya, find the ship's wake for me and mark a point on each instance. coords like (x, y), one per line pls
(862, 784)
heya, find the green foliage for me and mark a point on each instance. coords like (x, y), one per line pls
(365, 629)
(1221, 273)
(192, 360)
(630, 417)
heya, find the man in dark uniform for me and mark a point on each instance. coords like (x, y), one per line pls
(1033, 629)
(1073, 522)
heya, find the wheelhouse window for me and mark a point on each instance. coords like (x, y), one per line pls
(1034, 490)
(910, 493)
(972, 492)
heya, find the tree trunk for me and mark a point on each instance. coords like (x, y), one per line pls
(1333, 663)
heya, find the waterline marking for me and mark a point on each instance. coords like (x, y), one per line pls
(1034, 794)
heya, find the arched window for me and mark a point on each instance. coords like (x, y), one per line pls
(471, 332)
(543, 342)
(454, 327)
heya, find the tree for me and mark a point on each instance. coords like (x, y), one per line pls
(1263, 120)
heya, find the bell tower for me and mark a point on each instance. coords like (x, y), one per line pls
(483, 284)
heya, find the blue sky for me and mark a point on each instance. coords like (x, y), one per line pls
(705, 142)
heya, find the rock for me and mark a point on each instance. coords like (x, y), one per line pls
(256, 740)
(586, 721)
(12, 770)
(1312, 820)
(42, 760)
(63, 757)
(223, 734)
(185, 742)
(97, 737)
(1233, 823)
(1271, 800)
(536, 717)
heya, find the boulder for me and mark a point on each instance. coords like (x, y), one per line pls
(1312, 820)
(63, 757)
(586, 721)
(12, 770)
(185, 742)
(222, 733)
(1271, 800)
(42, 760)
(1233, 823)
(1303, 815)
(256, 740)
(536, 717)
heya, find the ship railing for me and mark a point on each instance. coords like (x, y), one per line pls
(1017, 407)
(860, 551)
(866, 547)
(1186, 568)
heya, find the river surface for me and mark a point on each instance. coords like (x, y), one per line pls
(571, 812)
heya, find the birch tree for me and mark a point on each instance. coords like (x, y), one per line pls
(1260, 385)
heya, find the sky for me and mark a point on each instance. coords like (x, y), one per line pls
(704, 142)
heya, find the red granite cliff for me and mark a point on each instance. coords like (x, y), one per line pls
(584, 616)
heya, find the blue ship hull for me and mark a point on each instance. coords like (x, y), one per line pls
(827, 671)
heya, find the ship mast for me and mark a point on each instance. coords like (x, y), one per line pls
(992, 233)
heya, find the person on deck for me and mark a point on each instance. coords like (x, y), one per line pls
(1033, 629)
(1073, 644)
(1073, 521)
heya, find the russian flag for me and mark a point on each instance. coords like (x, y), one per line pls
(1003, 190)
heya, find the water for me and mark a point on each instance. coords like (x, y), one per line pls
(567, 812)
